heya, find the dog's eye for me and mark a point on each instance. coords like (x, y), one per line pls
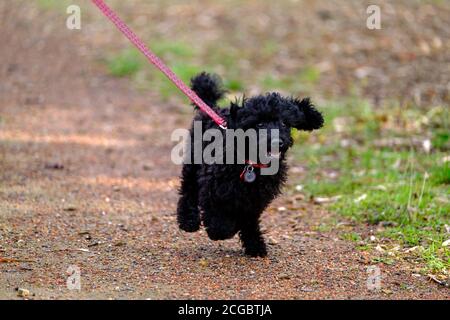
(283, 124)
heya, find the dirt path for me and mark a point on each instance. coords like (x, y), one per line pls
(93, 186)
(86, 180)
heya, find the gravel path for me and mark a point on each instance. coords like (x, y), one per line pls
(93, 186)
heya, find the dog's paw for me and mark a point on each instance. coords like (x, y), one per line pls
(189, 225)
(257, 251)
(220, 233)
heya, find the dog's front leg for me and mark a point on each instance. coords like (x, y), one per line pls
(252, 239)
(188, 215)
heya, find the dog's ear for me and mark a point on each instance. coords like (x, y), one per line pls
(308, 117)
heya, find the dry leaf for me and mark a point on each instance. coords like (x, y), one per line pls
(360, 198)
(321, 200)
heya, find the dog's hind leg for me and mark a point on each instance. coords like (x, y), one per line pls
(188, 214)
(252, 239)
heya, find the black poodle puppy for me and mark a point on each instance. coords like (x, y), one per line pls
(230, 198)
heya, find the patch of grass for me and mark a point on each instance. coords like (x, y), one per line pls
(166, 87)
(52, 4)
(371, 158)
(126, 63)
(309, 75)
(384, 260)
(363, 247)
(234, 85)
(351, 236)
(172, 49)
(441, 139)
(441, 174)
(273, 83)
(323, 227)
(178, 55)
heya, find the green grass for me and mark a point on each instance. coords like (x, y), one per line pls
(399, 186)
(184, 71)
(351, 236)
(309, 75)
(234, 85)
(53, 4)
(126, 63)
(172, 49)
(131, 63)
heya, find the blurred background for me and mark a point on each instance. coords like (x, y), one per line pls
(320, 48)
(381, 162)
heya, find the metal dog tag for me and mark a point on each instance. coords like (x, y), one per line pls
(249, 175)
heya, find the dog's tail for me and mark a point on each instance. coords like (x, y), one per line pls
(208, 87)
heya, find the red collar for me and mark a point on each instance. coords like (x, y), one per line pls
(256, 165)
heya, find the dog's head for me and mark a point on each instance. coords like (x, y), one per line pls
(273, 111)
(262, 113)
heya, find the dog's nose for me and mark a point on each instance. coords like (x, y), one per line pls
(278, 142)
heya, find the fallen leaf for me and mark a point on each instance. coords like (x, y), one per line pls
(360, 198)
(322, 200)
(387, 291)
(23, 292)
(284, 276)
(413, 249)
(435, 279)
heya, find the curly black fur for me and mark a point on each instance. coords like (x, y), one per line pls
(208, 87)
(214, 193)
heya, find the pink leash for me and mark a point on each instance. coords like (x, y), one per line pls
(111, 15)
